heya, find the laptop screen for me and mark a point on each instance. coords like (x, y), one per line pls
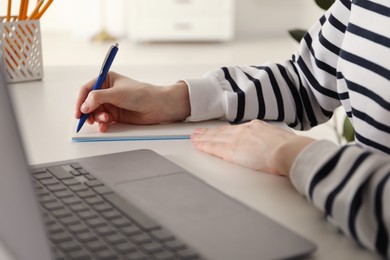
(21, 228)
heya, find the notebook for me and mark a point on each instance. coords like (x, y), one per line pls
(128, 132)
(155, 209)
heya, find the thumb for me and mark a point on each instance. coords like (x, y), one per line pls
(95, 99)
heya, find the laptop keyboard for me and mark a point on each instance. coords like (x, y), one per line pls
(85, 219)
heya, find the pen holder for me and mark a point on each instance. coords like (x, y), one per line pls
(20, 50)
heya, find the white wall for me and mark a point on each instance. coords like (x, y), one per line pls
(86, 17)
(259, 18)
(254, 18)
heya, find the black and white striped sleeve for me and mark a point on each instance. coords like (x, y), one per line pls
(302, 91)
(351, 186)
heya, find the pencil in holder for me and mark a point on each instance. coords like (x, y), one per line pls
(21, 50)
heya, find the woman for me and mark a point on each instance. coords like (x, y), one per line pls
(344, 60)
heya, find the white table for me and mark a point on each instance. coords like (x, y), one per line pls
(45, 114)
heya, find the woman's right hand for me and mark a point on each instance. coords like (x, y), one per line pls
(125, 100)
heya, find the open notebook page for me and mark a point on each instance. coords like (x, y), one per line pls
(128, 132)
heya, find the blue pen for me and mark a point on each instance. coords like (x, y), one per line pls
(102, 77)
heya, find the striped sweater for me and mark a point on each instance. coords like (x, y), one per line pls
(343, 60)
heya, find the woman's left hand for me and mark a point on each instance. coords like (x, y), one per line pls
(257, 145)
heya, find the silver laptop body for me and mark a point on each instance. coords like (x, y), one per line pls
(212, 224)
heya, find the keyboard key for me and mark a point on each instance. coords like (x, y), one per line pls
(69, 220)
(151, 248)
(42, 175)
(54, 228)
(163, 255)
(87, 236)
(75, 173)
(41, 191)
(93, 183)
(105, 230)
(174, 245)
(60, 237)
(111, 214)
(75, 166)
(59, 172)
(89, 177)
(69, 246)
(126, 247)
(63, 194)
(78, 188)
(52, 205)
(141, 239)
(135, 256)
(120, 222)
(94, 200)
(77, 207)
(56, 187)
(187, 254)
(49, 181)
(79, 254)
(162, 235)
(47, 198)
(86, 194)
(69, 182)
(57, 254)
(96, 245)
(86, 214)
(102, 207)
(105, 254)
(71, 200)
(48, 219)
(131, 230)
(115, 238)
(82, 171)
(95, 222)
(77, 228)
(37, 171)
(60, 213)
(102, 190)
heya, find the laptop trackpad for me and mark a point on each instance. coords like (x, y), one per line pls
(214, 224)
(178, 199)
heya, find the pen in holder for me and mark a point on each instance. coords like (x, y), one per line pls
(20, 50)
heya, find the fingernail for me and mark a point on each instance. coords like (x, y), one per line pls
(84, 108)
(103, 117)
(198, 131)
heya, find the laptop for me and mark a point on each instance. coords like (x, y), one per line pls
(160, 211)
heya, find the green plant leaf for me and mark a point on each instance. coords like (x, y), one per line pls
(348, 130)
(325, 4)
(297, 34)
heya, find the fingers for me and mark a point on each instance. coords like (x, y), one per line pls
(103, 127)
(95, 99)
(251, 144)
(214, 141)
(84, 90)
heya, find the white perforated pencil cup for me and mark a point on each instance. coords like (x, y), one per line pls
(21, 50)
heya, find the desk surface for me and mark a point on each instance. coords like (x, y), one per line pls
(45, 114)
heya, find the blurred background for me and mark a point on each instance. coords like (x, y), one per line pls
(252, 18)
(240, 32)
(204, 34)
